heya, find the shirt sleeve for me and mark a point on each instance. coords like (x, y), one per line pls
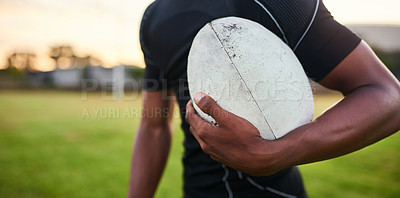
(152, 80)
(325, 45)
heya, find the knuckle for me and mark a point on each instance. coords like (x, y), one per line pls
(187, 116)
(201, 132)
(205, 148)
(205, 132)
(189, 103)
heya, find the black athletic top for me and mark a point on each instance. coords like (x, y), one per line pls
(166, 34)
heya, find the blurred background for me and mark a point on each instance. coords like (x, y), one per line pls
(70, 81)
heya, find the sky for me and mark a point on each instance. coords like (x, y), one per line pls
(109, 29)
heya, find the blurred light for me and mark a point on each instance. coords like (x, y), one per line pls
(109, 29)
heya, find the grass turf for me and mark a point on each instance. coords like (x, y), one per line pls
(63, 144)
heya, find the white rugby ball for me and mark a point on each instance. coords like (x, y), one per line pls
(250, 72)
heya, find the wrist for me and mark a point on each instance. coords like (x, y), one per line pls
(268, 158)
(290, 149)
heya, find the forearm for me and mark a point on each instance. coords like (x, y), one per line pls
(150, 154)
(368, 113)
(363, 117)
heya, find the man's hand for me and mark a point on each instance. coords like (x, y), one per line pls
(234, 142)
(368, 113)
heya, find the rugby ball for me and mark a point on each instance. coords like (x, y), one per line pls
(252, 73)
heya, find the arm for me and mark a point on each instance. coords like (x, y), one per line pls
(152, 144)
(368, 113)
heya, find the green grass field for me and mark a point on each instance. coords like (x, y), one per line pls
(59, 144)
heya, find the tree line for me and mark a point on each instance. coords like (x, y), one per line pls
(64, 57)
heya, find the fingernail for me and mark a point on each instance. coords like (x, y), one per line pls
(198, 96)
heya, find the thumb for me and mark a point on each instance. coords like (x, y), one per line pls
(210, 107)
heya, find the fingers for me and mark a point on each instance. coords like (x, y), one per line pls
(203, 145)
(195, 120)
(210, 107)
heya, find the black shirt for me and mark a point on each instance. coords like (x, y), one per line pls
(167, 30)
